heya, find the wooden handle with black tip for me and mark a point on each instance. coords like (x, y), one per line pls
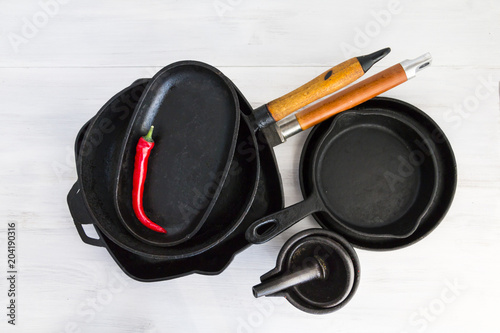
(350, 97)
(325, 84)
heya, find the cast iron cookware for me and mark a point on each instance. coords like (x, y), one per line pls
(195, 112)
(446, 182)
(102, 147)
(382, 175)
(98, 164)
(194, 109)
(316, 270)
(98, 161)
(213, 261)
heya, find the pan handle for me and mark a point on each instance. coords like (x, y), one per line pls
(362, 91)
(80, 215)
(267, 228)
(323, 85)
(351, 96)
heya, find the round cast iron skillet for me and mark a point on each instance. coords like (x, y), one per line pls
(213, 261)
(382, 175)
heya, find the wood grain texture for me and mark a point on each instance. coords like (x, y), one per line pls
(351, 96)
(92, 49)
(323, 85)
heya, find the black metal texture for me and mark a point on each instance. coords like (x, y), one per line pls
(445, 179)
(339, 277)
(147, 268)
(196, 116)
(270, 226)
(80, 215)
(261, 117)
(373, 174)
(99, 162)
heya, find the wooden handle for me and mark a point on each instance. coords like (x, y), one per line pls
(327, 83)
(352, 96)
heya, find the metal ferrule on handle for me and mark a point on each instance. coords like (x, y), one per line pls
(289, 127)
(352, 96)
(411, 67)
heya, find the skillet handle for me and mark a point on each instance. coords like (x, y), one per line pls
(351, 96)
(362, 91)
(325, 84)
(81, 215)
(267, 228)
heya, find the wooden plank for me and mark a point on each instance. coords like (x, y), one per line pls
(90, 50)
(245, 33)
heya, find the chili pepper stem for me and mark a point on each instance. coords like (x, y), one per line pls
(149, 137)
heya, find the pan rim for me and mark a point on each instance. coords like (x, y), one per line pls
(80, 162)
(225, 170)
(317, 157)
(157, 253)
(281, 263)
(436, 212)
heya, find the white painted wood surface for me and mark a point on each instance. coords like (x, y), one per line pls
(56, 75)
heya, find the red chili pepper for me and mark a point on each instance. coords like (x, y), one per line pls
(142, 152)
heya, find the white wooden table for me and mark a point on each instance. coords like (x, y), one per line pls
(60, 61)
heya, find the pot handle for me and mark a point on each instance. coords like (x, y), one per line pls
(323, 85)
(81, 215)
(267, 228)
(362, 91)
